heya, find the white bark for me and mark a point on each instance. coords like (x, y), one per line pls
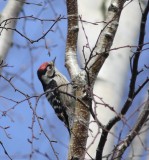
(111, 79)
(11, 10)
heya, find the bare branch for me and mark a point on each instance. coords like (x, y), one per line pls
(30, 40)
(5, 150)
(120, 148)
(132, 93)
(105, 39)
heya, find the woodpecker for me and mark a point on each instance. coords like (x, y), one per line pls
(58, 91)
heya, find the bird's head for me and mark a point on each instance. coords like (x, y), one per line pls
(46, 72)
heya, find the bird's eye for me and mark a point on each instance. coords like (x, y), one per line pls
(49, 67)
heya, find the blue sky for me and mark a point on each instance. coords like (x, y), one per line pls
(24, 62)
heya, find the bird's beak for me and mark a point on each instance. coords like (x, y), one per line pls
(54, 60)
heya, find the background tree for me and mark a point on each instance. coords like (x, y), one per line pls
(26, 117)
